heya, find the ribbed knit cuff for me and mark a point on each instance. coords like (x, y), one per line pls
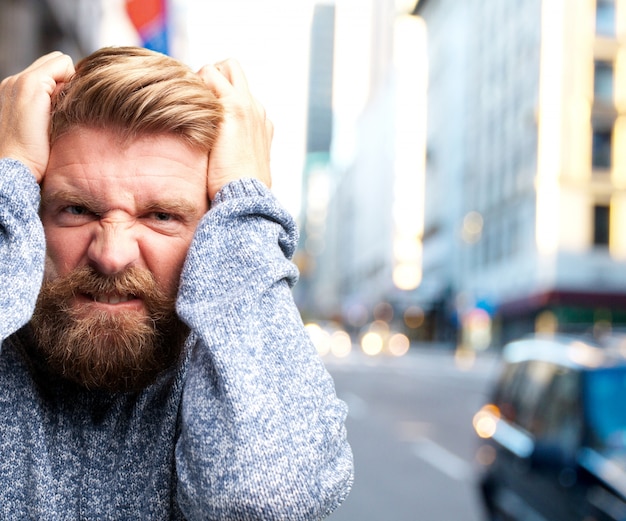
(241, 188)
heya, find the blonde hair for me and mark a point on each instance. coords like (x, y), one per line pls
(133, 92)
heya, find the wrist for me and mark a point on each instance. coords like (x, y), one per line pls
(244, 187)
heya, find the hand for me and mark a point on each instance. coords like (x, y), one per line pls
(243, 145)
(25, 103)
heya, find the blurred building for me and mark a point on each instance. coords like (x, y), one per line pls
(362, 209)
(30, 28)
(313, 253)
(517, 220)
(525, 215)
(320, 115)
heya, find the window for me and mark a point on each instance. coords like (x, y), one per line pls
(605, 390)
(559, 417)
(605, 17)
(603, 81)
(601, 148)
(507, 390)
(601, 223)
(520, 390)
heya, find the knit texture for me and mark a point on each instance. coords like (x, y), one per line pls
(246, 427)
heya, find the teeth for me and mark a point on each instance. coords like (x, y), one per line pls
(112, 299)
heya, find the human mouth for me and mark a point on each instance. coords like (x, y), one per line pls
(113, 298)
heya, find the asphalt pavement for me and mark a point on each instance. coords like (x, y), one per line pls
(410, 427)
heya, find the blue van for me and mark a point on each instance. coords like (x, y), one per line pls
(553, 437)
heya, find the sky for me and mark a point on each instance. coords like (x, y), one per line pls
(270, 39)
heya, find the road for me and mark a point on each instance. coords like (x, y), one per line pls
(410, 429)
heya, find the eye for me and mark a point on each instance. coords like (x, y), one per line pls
(163, 217)
(74, 215)
(163, 221)
(76, 210)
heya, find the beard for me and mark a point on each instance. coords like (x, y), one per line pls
(113, 351)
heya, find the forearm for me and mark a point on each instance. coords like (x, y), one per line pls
(263, 432)
(22, 245)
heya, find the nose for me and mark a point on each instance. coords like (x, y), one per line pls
(113, 247)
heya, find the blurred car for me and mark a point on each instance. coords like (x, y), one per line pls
(553, 439)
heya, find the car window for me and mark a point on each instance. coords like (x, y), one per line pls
(605, 407)
(504, 390)
(520, 389)
(507, 390)
(559, 415)
(538, 376)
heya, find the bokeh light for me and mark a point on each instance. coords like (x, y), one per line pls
(399, 345)
(372, 343)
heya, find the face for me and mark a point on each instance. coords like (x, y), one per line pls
(113, 206)
(118, 219)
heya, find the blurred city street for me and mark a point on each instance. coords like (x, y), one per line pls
(457, 172)
(410, 426)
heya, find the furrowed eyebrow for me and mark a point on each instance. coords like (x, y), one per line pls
(181, 208)
(68, 198)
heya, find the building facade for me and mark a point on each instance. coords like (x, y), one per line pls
(506, 188)
(540, 228)
(31, 28)
(367, 264)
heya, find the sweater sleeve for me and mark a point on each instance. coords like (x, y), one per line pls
(262, 432)
(22, 246)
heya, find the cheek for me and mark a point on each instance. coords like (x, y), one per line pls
(66, 250)
(164, 257)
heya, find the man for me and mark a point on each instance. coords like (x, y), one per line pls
(153, 364)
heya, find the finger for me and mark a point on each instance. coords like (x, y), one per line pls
(215, 80)
(60, 68)
(55, 64)
(49, 71)
(43, 59)
(233, 72)
(52, 70)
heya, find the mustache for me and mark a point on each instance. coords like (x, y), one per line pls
(102, 350)
(133, 281)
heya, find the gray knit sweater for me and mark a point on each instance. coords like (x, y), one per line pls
(248, 427)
